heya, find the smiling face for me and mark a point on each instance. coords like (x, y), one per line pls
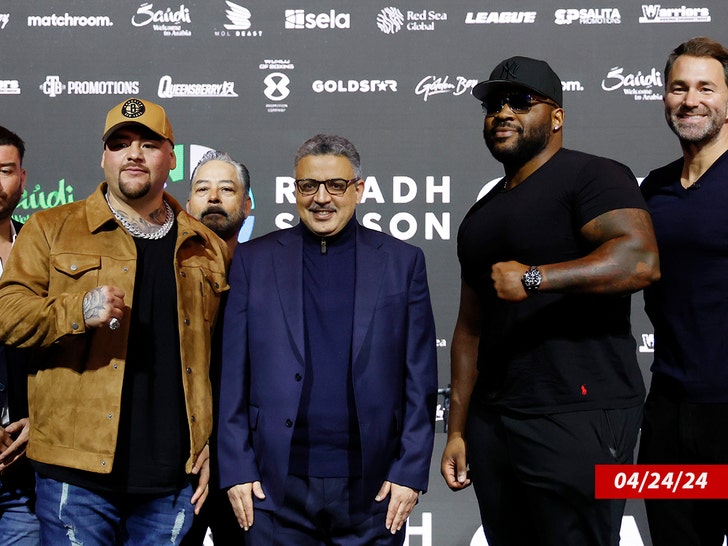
(516, 138)
(322, 213)
(696, 99)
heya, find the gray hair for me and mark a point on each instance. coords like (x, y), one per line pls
(214, 155)
(330, 145)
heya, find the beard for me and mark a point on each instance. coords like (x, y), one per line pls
(697, 133)
(134, 191)
(223, 224)
(8, 202)
(527, 145)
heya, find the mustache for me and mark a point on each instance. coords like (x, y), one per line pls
(214, 210)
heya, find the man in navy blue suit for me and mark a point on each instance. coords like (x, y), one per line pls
(329, 374)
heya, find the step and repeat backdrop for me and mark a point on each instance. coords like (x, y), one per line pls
(256, 78)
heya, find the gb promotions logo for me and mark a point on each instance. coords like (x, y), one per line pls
(53, 86)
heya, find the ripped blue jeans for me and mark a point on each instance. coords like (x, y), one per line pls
(81, 517)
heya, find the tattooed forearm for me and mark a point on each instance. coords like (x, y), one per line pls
(93, 302)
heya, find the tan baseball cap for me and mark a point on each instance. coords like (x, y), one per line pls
(131, 111)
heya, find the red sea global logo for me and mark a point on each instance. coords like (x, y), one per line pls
(390, 20)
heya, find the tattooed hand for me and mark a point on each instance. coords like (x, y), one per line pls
(102, 304)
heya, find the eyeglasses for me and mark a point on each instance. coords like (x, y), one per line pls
(519, 103)
(335, 186)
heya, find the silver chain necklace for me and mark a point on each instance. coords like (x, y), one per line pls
(135, 231)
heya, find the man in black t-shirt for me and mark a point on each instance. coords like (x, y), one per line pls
(545, 381)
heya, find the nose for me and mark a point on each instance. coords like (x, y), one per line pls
(134, 150)
(214, 196)
(691, 98)
(322, 195)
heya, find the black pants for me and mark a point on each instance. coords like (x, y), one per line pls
(675, 432)
(534, 475)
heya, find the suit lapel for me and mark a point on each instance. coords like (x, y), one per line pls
(370, 263)
(288, 271)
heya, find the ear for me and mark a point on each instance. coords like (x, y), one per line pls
(557, 119)
(359, 188)
(173, 164)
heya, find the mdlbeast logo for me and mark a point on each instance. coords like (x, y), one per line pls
(4, 20)
(299, 19)
(655, 13)
(240, 22)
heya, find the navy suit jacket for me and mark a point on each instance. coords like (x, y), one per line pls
(394, 368)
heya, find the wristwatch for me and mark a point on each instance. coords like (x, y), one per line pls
(531, 280)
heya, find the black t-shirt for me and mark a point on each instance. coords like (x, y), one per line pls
(552, 352)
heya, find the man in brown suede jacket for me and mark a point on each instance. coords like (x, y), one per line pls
(118, 293)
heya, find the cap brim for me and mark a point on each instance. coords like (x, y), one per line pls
(109, 132)
(483, 89)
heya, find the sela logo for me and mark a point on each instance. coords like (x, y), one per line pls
(54, 87)
(9, 87)
(168, 22)
(499, 17)
(655, 13)
(438, 85)
(168, 90)
(639, 85)
(590, 16)
(354, 86)
(4, 20)
(67, 20)
(391, 20)
(299, 19)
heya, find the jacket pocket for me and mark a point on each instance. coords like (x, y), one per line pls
(213, 286)
(75, 265)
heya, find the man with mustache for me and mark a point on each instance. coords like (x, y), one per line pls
(329, 375)
(687, 408)
(118, 295)
(545, 380)
(220, 195)
(220, 199)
